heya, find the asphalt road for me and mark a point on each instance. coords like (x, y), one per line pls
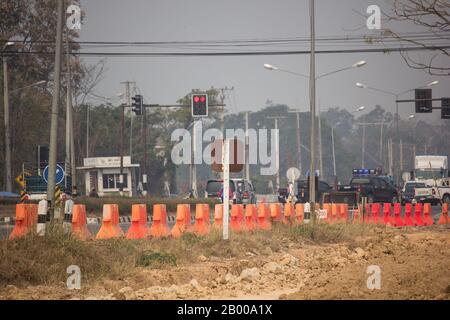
(5, 230)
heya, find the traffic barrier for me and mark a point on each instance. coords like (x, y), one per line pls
(376, 219)
(356, 216)
(289, 213)
(343, 212)
(237, 217)
(138, 228)
(42, 217)
(201, 226)
(251, 217)
(418, 221)
(443, 219)
(408, 215)
(367, 215)
(276, 215)
(26, 220)
(68, 211)
(427, 219)
(79, 222)
(335, 211)
(398, 221)
(110, 225)
(159, 226)
(264, 217)
(218, 216)
(327, 207)
(182, 220)
(387, 214)
(299, 213)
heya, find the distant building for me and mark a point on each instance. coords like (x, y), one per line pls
(103, 175)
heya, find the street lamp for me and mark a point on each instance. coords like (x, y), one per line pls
(396, 95)
(411, 117)
(312, 133)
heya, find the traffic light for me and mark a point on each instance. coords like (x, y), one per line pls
(137, 105)
(199, 105)
(424, 106)
(445, 111)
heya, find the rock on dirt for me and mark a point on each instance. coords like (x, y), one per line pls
(250, 274)
(288, 260)
(272, 267)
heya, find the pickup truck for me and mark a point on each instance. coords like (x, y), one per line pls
(434, 195)
(375, 188)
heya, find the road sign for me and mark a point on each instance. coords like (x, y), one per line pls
(293, 174)
(236, 162)
(59, 176)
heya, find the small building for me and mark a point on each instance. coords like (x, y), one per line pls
(103, 175)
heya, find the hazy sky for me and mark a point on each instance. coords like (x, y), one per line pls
(165, 79)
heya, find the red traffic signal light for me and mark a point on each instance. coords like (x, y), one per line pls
(199, 105)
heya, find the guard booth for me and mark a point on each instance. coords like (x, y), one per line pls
(102, 174)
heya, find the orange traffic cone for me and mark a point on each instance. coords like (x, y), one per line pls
(25, 220)
(79, 222)
(299, 213)
(183, 211)
(387, 214)
(367, 216)
(201, 226)
(427, 219)
(408, 215)
(264, 217)
(289, 212)
(138, 228)
(275, 212)
(110, 225)
(159, 226)
(398, 221)
(237, 217)
(418, 221)
(443, 219)
(251, 217)
(218, 216)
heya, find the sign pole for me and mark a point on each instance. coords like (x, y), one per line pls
(226, 186)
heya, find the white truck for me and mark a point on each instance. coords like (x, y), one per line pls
(433, 171)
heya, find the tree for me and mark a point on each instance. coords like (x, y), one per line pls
(432, 17)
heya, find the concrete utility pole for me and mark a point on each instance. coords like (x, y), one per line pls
(299, 142)
(363, 147)
(70, 143)
(312, 99)
(401, 156)
(320, 144)
(122, 129)
(144, 143)
(247, 165)
(277, 151)
(334, 152)
(7, 129)
(55, 111)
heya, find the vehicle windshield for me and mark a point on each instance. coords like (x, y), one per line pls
(360, 181)
(429, 174)
(410, 186)
(213, 187)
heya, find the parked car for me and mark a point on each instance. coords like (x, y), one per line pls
(408, 192)
(241, 190)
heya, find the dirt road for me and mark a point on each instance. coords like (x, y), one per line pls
(414, 264)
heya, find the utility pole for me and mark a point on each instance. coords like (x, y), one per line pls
(312, 98)
(122, 129)
(55, 111)
(87, 131)
(70, 144)
(381, 146)
(277, 151)
(247, 164)
(334, 153)
(363, 143)
(144, 142)
(299, 142)
(7, 129)
(401, 156)
(320, 144)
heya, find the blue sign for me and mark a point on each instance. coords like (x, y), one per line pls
(59, 176)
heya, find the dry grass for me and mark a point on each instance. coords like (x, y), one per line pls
(44, 260)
